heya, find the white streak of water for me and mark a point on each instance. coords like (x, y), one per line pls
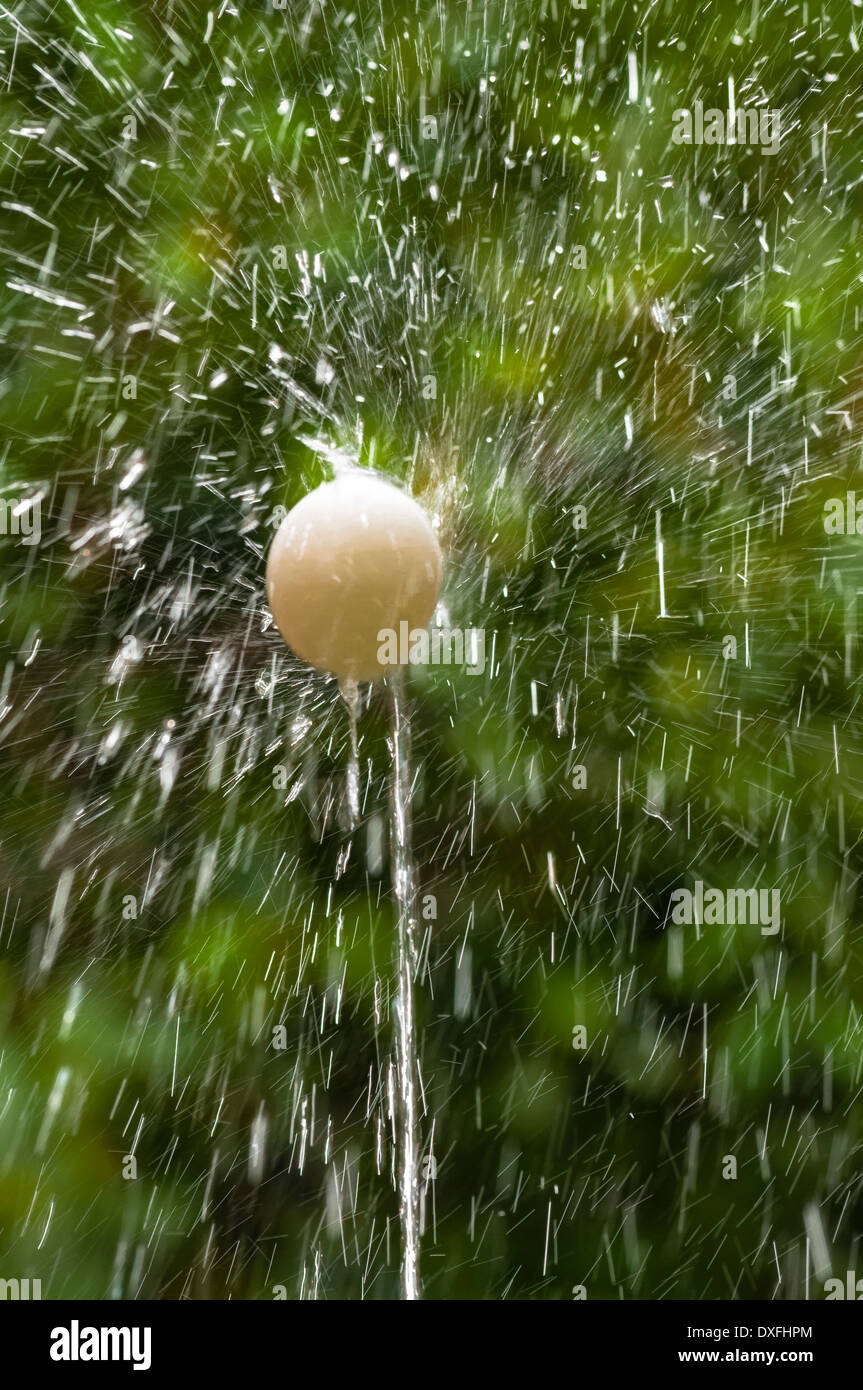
(350, 694)
(405, 893)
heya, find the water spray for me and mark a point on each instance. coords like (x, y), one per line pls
(351, 562)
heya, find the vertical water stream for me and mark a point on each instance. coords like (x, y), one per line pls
(405, 894)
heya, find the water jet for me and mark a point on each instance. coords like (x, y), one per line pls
(354, 559)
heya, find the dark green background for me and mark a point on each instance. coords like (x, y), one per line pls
(705, 363)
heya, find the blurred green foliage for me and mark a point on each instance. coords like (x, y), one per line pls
(362, 222)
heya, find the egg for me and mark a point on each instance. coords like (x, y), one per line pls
(351, 562)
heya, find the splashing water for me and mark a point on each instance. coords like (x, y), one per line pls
(350, 693)
(625, 373)
(405, 893)
(404, 1106)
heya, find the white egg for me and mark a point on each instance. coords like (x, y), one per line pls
(353, 559)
